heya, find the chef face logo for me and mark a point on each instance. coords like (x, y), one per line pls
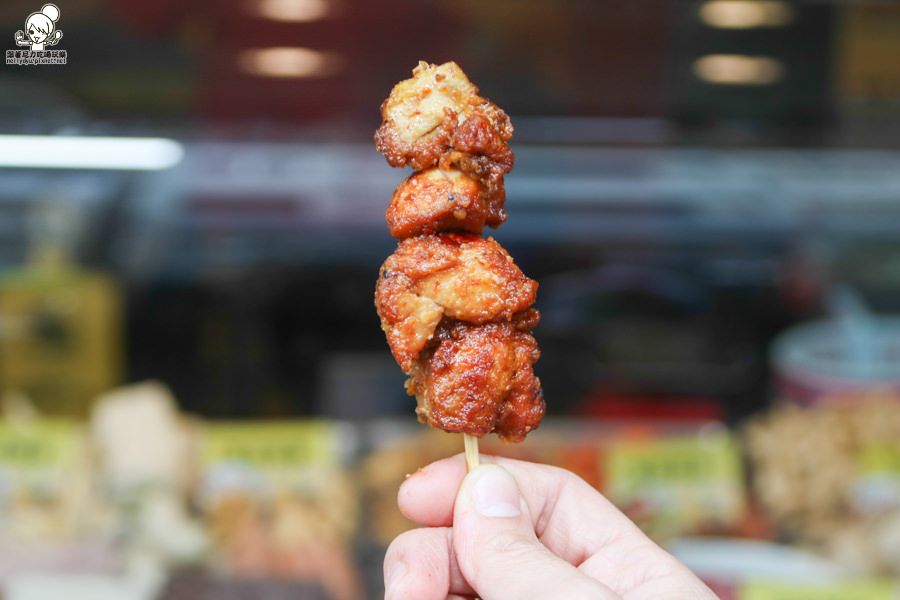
(39, 34)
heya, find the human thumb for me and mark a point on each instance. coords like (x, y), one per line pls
(498, 551)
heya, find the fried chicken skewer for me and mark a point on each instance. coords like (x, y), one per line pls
(454, 307)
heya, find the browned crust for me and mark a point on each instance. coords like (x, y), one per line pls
(478, 379)
(471, 133)
(460, 276)
(438, 200)
(454, 307)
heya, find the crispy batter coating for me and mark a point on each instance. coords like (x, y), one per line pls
(457, 275)
(478, 379)
(454, 307)
(438, 118)
(439, 200)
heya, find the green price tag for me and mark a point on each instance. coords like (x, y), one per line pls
(267, 458)
(39, 457)
(638, 463)
(837, 590)
(273, 445)
(685, 481)
(42, 445)
(879, 458)
(877, 485)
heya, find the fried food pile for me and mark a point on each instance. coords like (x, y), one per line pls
(455, 308)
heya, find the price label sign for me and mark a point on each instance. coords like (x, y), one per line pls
(273, 445)
(37, 455)
(837, 590)
(877, 486)
(263, 457)
(880, 458)
(684, 480)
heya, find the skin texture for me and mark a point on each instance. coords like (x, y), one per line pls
(478, 379)
(438, 200)
(437, 118)
(458, 276)
(512, 529)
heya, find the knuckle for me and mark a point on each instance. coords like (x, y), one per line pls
(508, 541)
(426, 548)
(499, 548)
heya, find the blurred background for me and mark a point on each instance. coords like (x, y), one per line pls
(198, 398)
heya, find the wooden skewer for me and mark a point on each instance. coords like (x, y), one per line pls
(472, 460)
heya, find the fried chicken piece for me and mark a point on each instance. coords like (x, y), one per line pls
(458, 276)
(437, 118)
(478, 379)
(439, 200)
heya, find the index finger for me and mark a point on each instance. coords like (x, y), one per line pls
(569, 516)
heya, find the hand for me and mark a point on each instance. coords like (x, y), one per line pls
(20, 35)
(521, 530)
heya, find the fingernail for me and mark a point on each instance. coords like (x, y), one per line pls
(395, 574)
(495, 493)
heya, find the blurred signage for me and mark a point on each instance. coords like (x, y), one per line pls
(60, 343)
(682, 482)
(262, 458)
(877, 488)
(272, 445)
(36, 457)
(867, 67)
(832, 590)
